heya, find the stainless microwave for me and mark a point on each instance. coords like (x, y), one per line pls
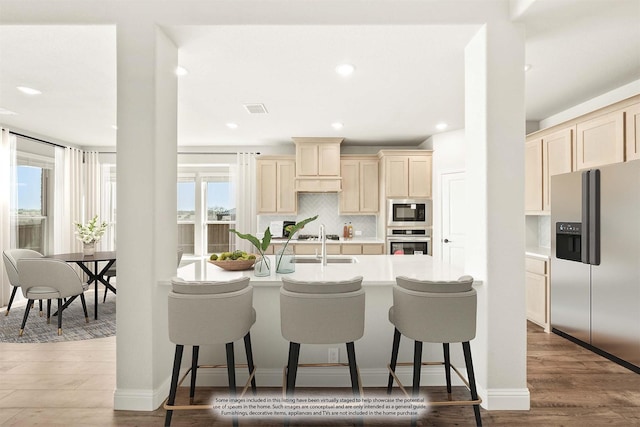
(408, 212)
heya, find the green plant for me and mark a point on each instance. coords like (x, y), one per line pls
(261, 246)
(293, 229)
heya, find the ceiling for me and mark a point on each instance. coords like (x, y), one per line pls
(407, 79)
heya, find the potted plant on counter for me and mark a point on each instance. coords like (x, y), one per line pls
(284, 257)
(262, 267)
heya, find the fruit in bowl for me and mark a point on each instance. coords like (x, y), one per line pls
(234, 261)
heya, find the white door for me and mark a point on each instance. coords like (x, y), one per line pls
(453, 218)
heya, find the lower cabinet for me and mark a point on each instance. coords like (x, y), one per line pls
(363, 249)
(537, 291)
(314, 249)
(332, 249)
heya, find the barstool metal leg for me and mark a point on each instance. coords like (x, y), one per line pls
(194, 372)
(292, 368)
(353, 369)
(466, 348)
(417, 365)
(177, 359)
(249, 352)
(231, 373)
(394, 357)
(447, 367)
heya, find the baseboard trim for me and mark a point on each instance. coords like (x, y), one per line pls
(141, 400)
(505, 399)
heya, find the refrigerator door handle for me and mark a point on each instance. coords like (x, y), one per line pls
(594, 217)
(585, 235)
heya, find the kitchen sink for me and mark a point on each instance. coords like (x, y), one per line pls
(330, 260)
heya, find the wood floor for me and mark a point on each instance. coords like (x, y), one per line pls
(72, 383)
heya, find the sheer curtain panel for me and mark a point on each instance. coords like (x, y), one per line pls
(68, 209)
(7, 181)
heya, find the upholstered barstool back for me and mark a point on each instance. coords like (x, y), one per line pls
(322, 312)
(224, 307)
(206, 313)
(435, 312)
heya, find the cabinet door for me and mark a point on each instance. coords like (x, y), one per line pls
(536, 298)
(420, 176)
(557, 159)
(286, 196)
(351, 249)
(329, 160)
(350, 195)
(533, 175)
(632, 120)
(307, 159)
(266, 186)
(372, 249)
(396, 176)
(600, 141)
(368, 186)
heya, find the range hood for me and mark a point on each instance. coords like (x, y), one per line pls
(317, 165)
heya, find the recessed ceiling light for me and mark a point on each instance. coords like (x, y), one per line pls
(6, 112)
(232, 125)
(345, 69)
(28, 90)
(181, 71)
(441, 126)
(527, 67)
(337, 125)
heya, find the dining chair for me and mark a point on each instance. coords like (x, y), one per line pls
(47, 278)
(10, 258)
(111, 272)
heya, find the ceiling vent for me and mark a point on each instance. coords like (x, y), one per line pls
(255, 108)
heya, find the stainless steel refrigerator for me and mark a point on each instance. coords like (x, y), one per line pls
(595, 260)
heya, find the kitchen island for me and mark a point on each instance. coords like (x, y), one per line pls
(373, 350)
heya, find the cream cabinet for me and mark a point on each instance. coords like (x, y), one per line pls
(275, 185)
(557, 159)
(318, 164)
(545, 157)
(533, 175)
(537, 291)
(363, 249)
(407, 176)
(359, 185)
(600, 141)
(632, 132)
(313, 249)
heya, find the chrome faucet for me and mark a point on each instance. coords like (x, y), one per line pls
(322, 236)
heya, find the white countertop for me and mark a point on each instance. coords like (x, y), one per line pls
(538, 252)
(375, 270)
(342, 241)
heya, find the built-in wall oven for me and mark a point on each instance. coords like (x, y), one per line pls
(408, 242)
(408, 213)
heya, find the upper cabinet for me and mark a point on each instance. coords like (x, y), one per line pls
(407, 175)
(632, 135)
(318, 164)
(600, 141)
(359, 185)
(275, 185)
(544, 157)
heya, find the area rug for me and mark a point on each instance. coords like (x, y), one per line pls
(74, 327)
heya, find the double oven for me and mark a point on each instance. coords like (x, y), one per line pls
(408, 230)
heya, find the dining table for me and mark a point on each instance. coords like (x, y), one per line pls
(95, 275)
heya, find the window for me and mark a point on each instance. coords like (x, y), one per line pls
(32, 191)
(206, 209)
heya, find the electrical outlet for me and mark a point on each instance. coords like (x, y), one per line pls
(334, 355)
(358, 232)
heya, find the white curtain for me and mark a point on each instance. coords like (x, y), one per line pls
(92, 186)
(69, 209)
(7, 182)
(246, 217)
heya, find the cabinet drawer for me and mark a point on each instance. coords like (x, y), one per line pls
(534, 265)
(351, 249)
(315, 249)
(372, 249)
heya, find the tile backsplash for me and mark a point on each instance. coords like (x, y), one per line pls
(326, 205)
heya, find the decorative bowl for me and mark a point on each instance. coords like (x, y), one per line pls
(234, 265)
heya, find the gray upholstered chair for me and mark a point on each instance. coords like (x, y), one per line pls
(435, 312)
(46, 278)
(206, 313)
(112, 272)
(321, 313)
(10, 258)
